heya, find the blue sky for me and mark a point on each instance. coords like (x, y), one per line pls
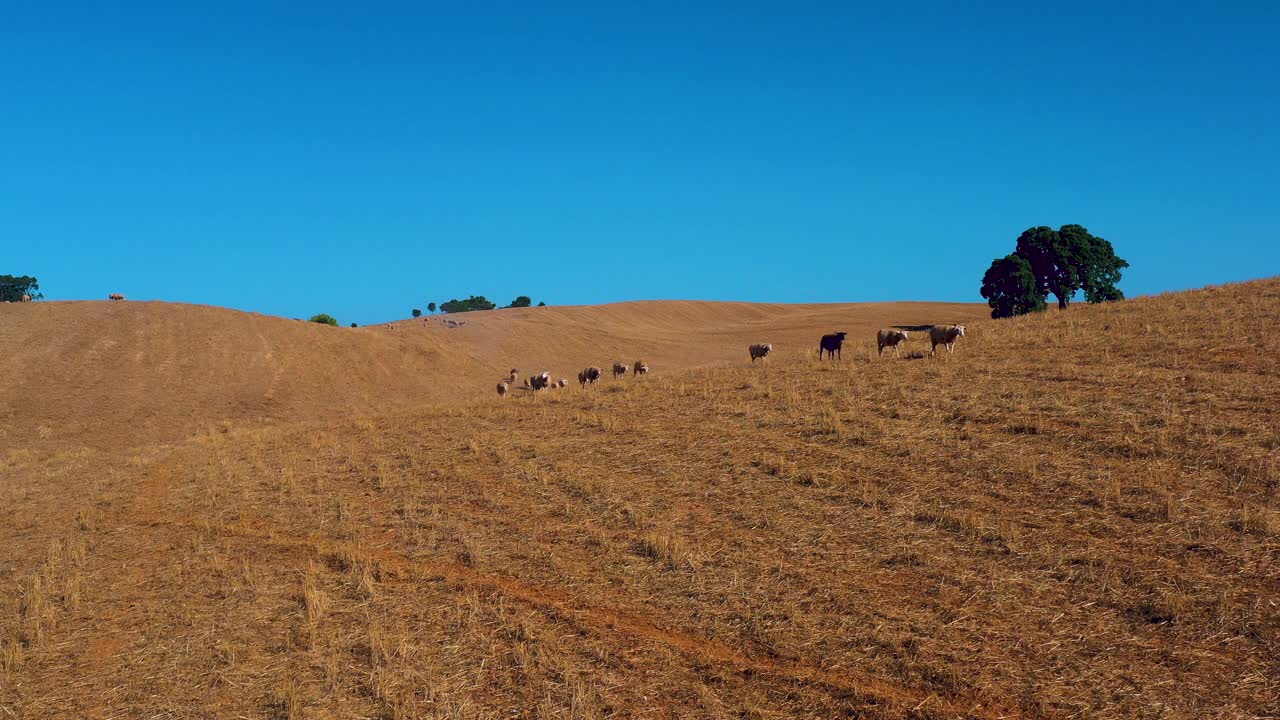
(364, 159)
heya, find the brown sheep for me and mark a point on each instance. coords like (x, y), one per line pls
(760, 351)
(944, 335)
(619, 369)
(890, 338)
(639, 368)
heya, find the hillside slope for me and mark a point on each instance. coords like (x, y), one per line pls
(104, 374)
(1075, 515)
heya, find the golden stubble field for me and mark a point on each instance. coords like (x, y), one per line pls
(1075, 515)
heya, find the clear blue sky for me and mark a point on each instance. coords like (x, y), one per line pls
(362, 159)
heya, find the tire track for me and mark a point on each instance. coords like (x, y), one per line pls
(390, 564)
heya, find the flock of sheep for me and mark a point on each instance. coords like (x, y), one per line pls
(588, 376)
(830, 344)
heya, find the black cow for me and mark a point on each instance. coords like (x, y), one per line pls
(831, 344)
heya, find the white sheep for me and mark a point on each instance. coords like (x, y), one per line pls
(502, 389)
(890, 338)
(944, 335)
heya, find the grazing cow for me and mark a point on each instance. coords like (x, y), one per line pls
(619, 369)
(760, 350)
(944, 335)
(639, 368)
(26, 298)
(830, 344)
(502, 389)
(890, 338)
(115, 296)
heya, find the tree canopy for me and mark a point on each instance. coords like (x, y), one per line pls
(1047, 262)
(325, 319)
(475, 302)
(416, 313)
(13, 287)
(1010, 288)
(522, 301)
(431, 307)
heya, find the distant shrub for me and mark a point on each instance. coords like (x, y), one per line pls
(354, 325)
(416, 313)
(521, 301)
(325, 319)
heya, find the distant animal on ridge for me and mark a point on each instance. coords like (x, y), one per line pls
(115, 296)
(944, 335)
(619, 369)
(830, 344)
(890, 338)
(26, 298)
(760, 351)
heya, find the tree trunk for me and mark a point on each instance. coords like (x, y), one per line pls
(1062, 303)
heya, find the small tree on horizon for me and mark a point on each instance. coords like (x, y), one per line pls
(1009, 287)
(431, 308)
(522, 301)
(541, 304)
(416, 313)
(13, 287)
(325, 319)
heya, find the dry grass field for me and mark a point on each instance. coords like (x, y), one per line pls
(1075, 515)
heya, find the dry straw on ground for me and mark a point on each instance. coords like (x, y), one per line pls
(1073, 515)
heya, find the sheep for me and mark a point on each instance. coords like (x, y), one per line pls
(115, 296)
(502, 389)
(944, 335)
(890, 338)
(639, 369)
(830, 344)
(590, 376)
(582, 378)
(619, 369)
(514, 375)
(759, 350)
(26, 298)
(541, 381)
(562, 383)
(526, 384)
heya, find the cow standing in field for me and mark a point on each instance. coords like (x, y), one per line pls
(759, 351)
(831, 344)
(944, 335)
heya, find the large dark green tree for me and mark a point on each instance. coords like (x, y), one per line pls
(1062, 262)
(1010, 287)
(475, 302)
(522, 301)
(13, 287)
